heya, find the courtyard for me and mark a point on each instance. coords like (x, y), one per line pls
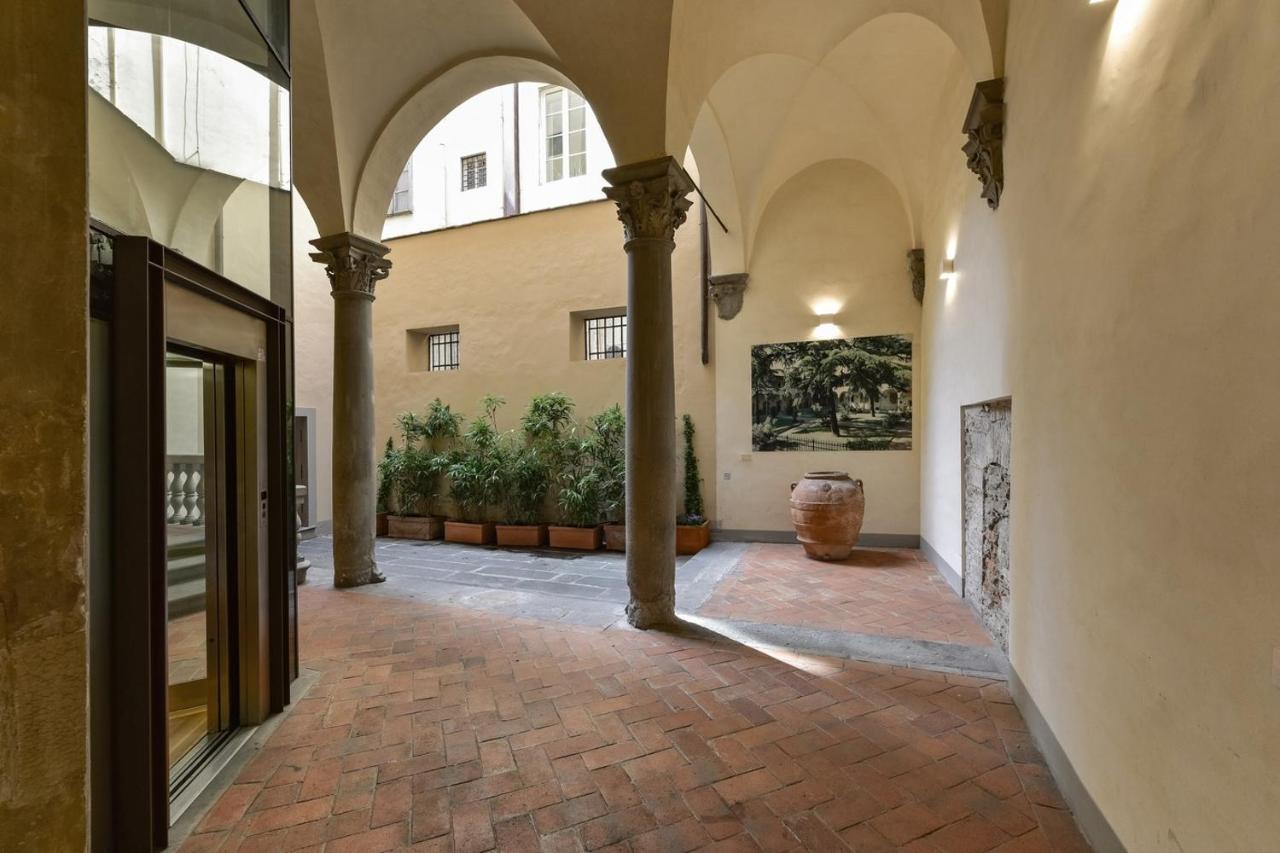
(492, 700)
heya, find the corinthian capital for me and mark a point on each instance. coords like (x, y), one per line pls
(353, 263)
(650, 197)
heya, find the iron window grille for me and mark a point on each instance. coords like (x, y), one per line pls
(606, 337)
(474, 172)
(402, 198)
(442, 349)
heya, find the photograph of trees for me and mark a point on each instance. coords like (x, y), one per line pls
(852, 394)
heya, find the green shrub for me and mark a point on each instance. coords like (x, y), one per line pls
(475, 471)
(580, 495)
(609, 449)
(386, 475)
(693, 510)
(525, 480)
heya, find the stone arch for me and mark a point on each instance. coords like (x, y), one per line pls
(423, 110)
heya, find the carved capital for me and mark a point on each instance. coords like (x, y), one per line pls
(984, 125)
(727, 292)
(915, 263)
(650, 197)
(353, 263)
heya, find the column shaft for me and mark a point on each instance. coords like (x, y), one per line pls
(354, 478)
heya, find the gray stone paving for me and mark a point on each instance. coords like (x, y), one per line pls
(591, 589)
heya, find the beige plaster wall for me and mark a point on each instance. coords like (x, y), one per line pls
(1124, 295)
(313, 354)
(43, 428)
(835, 234)
(511, 285)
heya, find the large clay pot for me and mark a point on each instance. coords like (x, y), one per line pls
(826, 509)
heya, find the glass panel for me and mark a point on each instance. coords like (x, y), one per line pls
(578, 118)
(577, 165)
(190, 554)
(555, 169)
(273, 18)
(189, 136)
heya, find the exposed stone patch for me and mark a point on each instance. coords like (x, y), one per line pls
(985, 448)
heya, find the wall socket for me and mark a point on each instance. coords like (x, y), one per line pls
(728, 475)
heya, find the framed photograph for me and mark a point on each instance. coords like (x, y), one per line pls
(849, 394)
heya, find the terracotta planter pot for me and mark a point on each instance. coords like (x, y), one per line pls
(383, 525)
(575, 538)
(826, 509)
(692, 538)
(426, 527)
(615, 537)
(469, 533)
(521, 535)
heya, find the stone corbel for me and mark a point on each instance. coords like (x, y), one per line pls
(915, 263)
(984, 125)
(727, 292)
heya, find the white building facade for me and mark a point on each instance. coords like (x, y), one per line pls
(509, 150)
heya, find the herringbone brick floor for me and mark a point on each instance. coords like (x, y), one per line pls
(891, 592)
(444, 729)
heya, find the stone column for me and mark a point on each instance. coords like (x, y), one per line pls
(354, 264)
(651, 205)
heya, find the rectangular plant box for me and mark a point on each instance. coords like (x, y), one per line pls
(414, 527)
(469, 533)
(383, 524)
(521, 535)
(692, 538)
(575, 538)
(615, 537)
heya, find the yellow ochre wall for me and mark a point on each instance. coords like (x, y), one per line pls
(510, 285)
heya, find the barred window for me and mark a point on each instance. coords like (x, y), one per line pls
(606, 337)
(564, 134)
(442, 350)
(402, 198)
(474, 172)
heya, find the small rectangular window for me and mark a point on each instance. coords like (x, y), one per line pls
(564, 134)
(442, 351)
(606, 337)
(402, 198)
(474, 172)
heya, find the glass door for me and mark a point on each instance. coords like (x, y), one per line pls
(197, 580)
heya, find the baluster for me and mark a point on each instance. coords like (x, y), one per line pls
(200, 494)
(170, 496)
(191, 496)
(180, 490)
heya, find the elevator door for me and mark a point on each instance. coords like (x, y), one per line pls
(198, 595)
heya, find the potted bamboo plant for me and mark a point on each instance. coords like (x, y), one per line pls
(475, 482)
(693, 531)
(415, 471)
(610, 429)
(525, 480)
(386, 479)
(579, 498)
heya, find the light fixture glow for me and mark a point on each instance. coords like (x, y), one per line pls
(826, 328)
(826, 307)
(948, 270)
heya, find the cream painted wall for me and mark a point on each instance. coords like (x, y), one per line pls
(1124, 295)
(835, 233)
(510, 285)
(313, 355)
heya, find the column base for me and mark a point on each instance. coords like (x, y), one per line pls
(346, 580)
(659, 613)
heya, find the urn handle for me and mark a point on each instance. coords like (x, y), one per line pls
(858, 483)
(793, 485)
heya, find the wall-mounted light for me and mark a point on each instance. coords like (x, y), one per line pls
(826, 328)
(948, 269)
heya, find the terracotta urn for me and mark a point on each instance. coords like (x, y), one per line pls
(826, 509)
